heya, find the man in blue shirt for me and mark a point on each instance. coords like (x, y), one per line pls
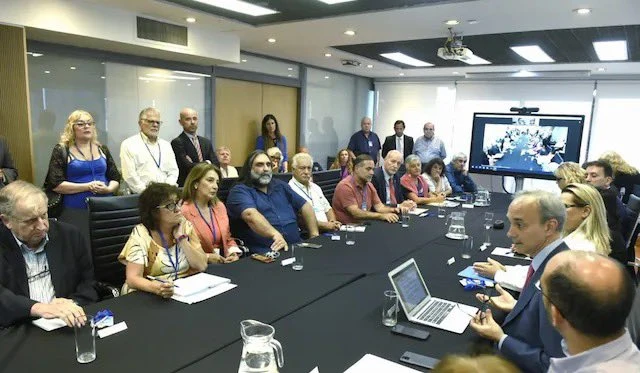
(365, 141)
(429, 146)
(263, 211)
(459, 177)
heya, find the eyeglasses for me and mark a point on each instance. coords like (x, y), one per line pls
(158, 122)
(566, 206)
(84, 124)
(171, 206)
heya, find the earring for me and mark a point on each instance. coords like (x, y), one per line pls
(195, 187)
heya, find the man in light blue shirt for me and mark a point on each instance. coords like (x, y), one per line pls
(429, 146)
(588, 298)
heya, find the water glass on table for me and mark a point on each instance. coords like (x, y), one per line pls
(488, 224)
(85, 337)
(297, 253)
(441, 212)
(390, 308)
(350, 235)
(467, 247)
(405, 218)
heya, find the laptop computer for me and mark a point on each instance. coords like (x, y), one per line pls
(421, 308)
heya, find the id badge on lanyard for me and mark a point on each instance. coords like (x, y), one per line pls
(363, 206)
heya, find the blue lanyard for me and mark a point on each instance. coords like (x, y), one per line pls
(159, 161)
(212, 227)
(165, 245)
(363, 205)
(305, 193)
(93, 173)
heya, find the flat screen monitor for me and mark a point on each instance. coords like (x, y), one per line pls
(524, 145)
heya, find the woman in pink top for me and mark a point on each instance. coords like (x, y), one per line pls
(207, 214)
(414, 186)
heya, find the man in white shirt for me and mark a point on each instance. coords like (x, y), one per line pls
(588, 298)
(301, 184)
(224, 157)
(145, 157)
(399, 141)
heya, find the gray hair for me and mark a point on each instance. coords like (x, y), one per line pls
(16, 191)
(299, 157)
(273, 151)
(146, 111)
(412, 158)
(550, 206)
(221, 148)
(459, 155)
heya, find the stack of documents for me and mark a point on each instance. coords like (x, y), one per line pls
(199, 287)
(418, 211)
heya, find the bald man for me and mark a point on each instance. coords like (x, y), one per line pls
(189, 148)
(588, 298)
(387, 181)
(429, 146)
(365, 141)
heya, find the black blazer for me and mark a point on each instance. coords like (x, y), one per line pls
(381, 186)
(390, 144)
(187, 155)
(69, 263)
(7, 165)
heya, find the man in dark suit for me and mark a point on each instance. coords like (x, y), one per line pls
(387, 181)
(526, 336)
(399, 141)
(45, 266)
(189, 148)
(8, 172)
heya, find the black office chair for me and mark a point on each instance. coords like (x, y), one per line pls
(327, 181)
(224, 186)
(634, 203)
(111, 220)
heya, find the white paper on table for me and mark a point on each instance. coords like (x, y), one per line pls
(417, 211)
(357, 228)
(504, 251)
(111, 330)
(445, 204)
(360, 228)
(48, 324)
(197, 283)
(209, 293)
(315, 370)
(371, 363)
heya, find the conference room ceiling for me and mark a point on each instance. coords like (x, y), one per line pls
(566, 46)
(298, 10)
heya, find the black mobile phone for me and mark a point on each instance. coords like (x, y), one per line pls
(410, 331)
(419, 360)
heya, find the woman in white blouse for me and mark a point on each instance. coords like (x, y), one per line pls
(434, 174)
(585, 229)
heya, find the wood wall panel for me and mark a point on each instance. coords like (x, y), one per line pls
(15, 119)
(240, 107)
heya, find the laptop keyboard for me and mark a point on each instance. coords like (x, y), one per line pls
(436, 312)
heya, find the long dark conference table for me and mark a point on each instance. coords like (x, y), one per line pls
(326, 315)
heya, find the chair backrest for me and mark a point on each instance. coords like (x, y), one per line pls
(224, 186)
(634, 203)
(283, 176)
(111, 220)
(327, 181)
(330, 161)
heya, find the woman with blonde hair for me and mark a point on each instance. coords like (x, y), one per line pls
(80, 167)
(275, 155)
(586, 225)
(569, 172)
(343, 162)
(624, 175)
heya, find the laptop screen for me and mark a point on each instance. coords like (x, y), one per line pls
(410, 287)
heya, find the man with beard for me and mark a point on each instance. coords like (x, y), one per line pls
(263, 211)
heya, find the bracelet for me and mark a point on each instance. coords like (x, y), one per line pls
(181, 237)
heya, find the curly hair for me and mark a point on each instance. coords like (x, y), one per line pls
(68, 136)
(619, 165)
(336, 162)
(152, 197)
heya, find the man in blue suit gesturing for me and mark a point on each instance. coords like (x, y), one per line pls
(526, 337)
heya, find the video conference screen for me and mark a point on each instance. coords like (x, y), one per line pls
(526, 145)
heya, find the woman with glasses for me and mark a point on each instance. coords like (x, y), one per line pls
(80, 167)
(208, 215)
(164, 247)
(414, 186)
(271, 137)
(343, 162)
(275, 155)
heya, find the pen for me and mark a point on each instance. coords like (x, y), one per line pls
(153, 278)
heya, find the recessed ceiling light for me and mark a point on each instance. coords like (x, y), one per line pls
(611, 50)
(582, 11)
(407, 60)
(369, 66)
(455, 73)
(472, 21)
(34, 54)
(47, 72)
(290, 68)
(331, 2)
(601, 69)
(475, 60)
(243, 60)
(190, 20)
(532, 53)
(240, 7)
(289, 75)
(452, 22)
(524, 74)
(350, 33)
(401, 74)
(72, 67)
(327, 54)
(271, 40)
(326, 76)
(103, 77)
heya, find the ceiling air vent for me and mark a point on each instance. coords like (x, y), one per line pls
(160, 31)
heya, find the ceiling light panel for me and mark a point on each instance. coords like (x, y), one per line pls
(331, 2)
(407, 60)
(611, 50)
(240, 7)
(475, 60)
(532, 53)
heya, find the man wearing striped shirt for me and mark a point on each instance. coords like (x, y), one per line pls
(45, 267)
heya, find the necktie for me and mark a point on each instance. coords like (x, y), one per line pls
(196, 144)
(392, 192)
(529, 275)
(399, 145)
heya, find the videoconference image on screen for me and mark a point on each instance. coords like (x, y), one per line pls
(526, 145)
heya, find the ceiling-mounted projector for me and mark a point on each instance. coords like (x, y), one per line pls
(454, 49)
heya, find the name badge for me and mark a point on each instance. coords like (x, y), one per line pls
(370, 143)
